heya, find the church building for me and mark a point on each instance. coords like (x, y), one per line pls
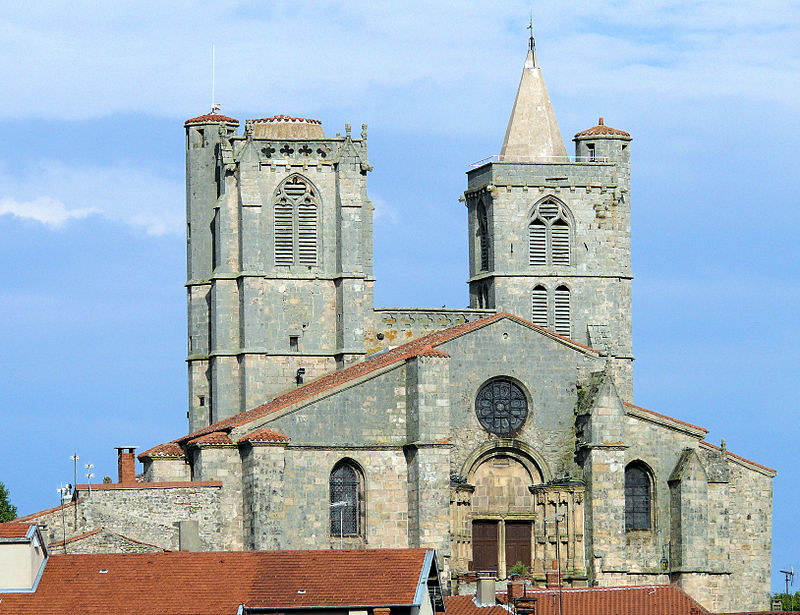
(501, 435)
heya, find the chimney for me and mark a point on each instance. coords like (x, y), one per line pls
(485, 595)
(126, 464)
(553, 577)
(516, 589)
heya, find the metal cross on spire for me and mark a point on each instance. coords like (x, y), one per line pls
(531, 42)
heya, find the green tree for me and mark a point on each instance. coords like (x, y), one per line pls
(8, 512)
(789, 602)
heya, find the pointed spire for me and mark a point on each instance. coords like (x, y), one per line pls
(532, 132)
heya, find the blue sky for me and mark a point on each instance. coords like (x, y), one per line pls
(92, 193)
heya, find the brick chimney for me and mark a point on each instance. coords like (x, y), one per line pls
(516, 588)
(553, 577)
(126, 464)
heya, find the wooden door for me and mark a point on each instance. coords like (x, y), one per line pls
(518, 543)
(484, 545)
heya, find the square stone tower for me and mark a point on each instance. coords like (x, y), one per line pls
(549, 235)
(279, 252)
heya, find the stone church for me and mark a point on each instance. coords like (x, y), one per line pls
(501, 434)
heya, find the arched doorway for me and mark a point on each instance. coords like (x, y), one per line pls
(502, 510)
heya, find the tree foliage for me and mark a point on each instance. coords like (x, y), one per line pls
(8, 512)
(789, 602)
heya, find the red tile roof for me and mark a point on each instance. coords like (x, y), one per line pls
(739, 457)
(214, 583)
(47, 511)
(602, 130)
(628, 600)
(168, 450)
(664, 416)
(94, 532)
(286, 118)
(465, 605)
(12, 529)
(215, 437)
(211, 117)
(146, 485)
(423, 346)
(265, 434)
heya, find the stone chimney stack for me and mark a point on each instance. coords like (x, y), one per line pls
(126, 464)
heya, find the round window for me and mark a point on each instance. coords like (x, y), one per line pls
(501, 407)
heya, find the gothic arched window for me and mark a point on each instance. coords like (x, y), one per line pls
(554, 313)
(483, 237)
(346, 496)
(549, 234)
(562, 312)
(539, 306)
(296, 223)
(638, 497)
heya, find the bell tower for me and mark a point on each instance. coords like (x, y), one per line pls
(549, 234)
(279, 246)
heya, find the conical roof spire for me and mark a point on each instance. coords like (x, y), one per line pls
(532, 132)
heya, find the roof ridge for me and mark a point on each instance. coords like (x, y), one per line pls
(664, 416)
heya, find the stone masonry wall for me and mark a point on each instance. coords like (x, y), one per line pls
(395, 326)
(547, 371)
(223, 463)
(149, 513)
(307, 497)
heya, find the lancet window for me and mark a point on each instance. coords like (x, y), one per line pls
(554, 311)
(483, 237)
(549, 234)
(296, 223)
(346, 495)
(638, 497)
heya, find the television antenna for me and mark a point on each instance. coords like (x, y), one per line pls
(789, 578)
(214, 106)
(89, 476)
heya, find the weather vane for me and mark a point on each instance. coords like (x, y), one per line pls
(531, 42)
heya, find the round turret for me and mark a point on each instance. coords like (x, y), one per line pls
(287, 127)
(602, 143)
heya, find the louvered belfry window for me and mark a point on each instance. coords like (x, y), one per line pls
(637, 498)
(345, 486)
(549, 235)
(296, 223)
(539, 306)
(483, 236)
(562, 311)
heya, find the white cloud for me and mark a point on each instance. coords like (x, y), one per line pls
(423, 61)
(129, 195)
(47, 210)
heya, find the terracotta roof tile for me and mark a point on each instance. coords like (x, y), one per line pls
(419, 347)
(167, 450)
(211, 583)
(85, 535)
(664, 416)
(602, 130)
(628, 600)
(211, 117)
(286, 118)
(47, 511)
(215, 437)
(12, 529)
(739, 457)
(465, 605)
(265, 435)
(146, 485)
